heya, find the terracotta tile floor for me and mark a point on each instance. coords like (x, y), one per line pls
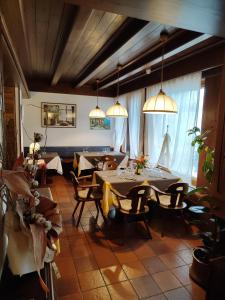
(102, 263)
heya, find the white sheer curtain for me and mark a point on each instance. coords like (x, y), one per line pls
(120, 128)
(135, 103)
(185, 91)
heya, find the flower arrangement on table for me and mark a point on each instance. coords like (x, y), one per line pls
(32, 224)
(140, 164)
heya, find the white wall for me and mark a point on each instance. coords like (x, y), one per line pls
(79, 136)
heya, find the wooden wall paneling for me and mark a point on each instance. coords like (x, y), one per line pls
(10, 126)
(210, 119)
(14, 22)
(202, 16)
(220, 143)
(12, 58)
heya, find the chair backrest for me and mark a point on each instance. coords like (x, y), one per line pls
(108, 158)
(139, 196)
(110, 165)
(178, 191)
(75, 183)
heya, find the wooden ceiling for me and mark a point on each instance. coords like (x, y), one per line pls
(64, 46)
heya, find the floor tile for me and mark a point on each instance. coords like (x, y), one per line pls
(175, 244)
(122, 290)
(186, 255)
(154, 264)
(182, 274)
(166, 280)
(134, 269)
(145, 287)
(180, 293)
(90, 280)
(159, 247)
(67, 285)
(158, 297)
(86, 263)
(66, 266)
(81, 251)
(143, 251)
(172, 260)
(96, 294)
(126, 256)
(76, 296)
(113, 274)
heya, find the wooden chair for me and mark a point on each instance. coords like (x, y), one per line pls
(99, 165)
(110, 165)
(134, 203)
(173, 198)
(108, 158)
(85, 193)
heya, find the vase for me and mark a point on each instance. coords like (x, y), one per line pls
(138, 171)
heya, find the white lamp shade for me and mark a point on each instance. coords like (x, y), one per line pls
(160, 104)
(34, 147)
(117, 111)
(97, 113)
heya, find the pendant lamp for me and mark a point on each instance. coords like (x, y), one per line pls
(161, 103)
(97, 113)
(117, 110)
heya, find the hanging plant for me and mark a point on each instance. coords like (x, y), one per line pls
(200, 141)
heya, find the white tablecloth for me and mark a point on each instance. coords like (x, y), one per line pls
(53, 164)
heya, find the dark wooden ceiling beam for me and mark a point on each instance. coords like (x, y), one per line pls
(66, 88)
(12, 56)
(203, 16)
(204, 59)
(79, 25)
(176, 40)
(126, 31)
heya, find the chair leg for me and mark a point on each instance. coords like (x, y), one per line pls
(101, 211)
(97, 207)
(80, 214)
(76, 207)
(147, 228)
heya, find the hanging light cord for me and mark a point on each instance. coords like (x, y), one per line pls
(118, 76)
(162, 66)
(97, 92)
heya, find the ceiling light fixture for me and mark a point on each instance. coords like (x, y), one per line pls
(161, 103)
(97, 113)
(117, 110)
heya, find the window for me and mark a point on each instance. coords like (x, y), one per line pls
(199, 125)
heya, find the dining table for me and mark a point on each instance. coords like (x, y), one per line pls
(124, 180)
(88, 160)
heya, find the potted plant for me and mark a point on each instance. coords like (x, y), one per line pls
(212, 229)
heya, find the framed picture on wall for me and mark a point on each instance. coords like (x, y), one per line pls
(58, 115)
(99, 124)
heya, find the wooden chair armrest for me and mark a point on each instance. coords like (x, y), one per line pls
(158, 190)
(114, 191)
(87, 186)
(84, 177)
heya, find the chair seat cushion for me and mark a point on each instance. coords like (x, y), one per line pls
(96, 194)
(165, 202)
(126, 206)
